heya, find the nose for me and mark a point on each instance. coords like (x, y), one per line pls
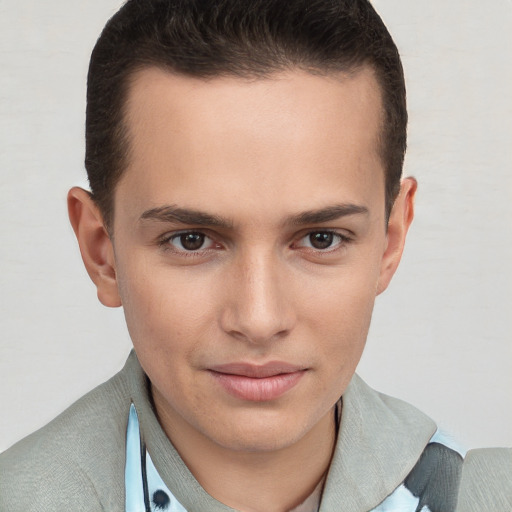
(258, 307)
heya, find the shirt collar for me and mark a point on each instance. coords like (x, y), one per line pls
(379, 442)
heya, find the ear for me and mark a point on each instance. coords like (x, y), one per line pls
(400, 219)
(95, 245)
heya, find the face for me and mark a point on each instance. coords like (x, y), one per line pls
(249, 243)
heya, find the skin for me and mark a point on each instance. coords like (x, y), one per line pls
(258, 158)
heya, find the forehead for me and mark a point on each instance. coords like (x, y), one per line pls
(277, 141)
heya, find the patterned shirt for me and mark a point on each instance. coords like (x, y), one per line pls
(429, 487)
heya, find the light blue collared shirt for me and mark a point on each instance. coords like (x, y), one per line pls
(147, 492)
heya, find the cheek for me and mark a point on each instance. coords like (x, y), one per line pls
(339, 314)
(346, 296)
(164, 310)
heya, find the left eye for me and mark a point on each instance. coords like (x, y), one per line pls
(321, 240)
(190, 241)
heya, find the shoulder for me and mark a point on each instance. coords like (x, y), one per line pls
(68, 464)
(486, 482)
(413, 464)
(379, 442)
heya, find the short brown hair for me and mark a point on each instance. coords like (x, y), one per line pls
(246, 38)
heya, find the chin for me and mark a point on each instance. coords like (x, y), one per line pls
(261, 434)
(262, 441)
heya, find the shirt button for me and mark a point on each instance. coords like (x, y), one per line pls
(161, 500)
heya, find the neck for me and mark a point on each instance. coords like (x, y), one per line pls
(269, 481)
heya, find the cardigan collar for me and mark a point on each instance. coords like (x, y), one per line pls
(379, 442)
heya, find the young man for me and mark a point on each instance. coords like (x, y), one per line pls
(247, 207)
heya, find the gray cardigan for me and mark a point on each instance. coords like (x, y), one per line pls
(77, 461)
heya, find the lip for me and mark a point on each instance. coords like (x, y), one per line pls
(257, 383)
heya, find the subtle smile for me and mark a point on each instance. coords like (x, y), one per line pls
(257, 383)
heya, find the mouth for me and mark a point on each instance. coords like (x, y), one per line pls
(257, 383)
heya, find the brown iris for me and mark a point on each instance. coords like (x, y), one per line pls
(192, 241)
(321, 239)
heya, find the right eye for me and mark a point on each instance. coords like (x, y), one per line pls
(190, 241)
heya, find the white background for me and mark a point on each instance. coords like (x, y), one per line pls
(441, 335)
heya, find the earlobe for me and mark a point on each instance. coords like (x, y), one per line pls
(400, 219)
(95, 245)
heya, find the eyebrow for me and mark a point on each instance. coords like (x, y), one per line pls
(185, 216)
(327, 214)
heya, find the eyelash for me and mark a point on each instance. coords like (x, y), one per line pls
(343, 240)
(165, 244)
